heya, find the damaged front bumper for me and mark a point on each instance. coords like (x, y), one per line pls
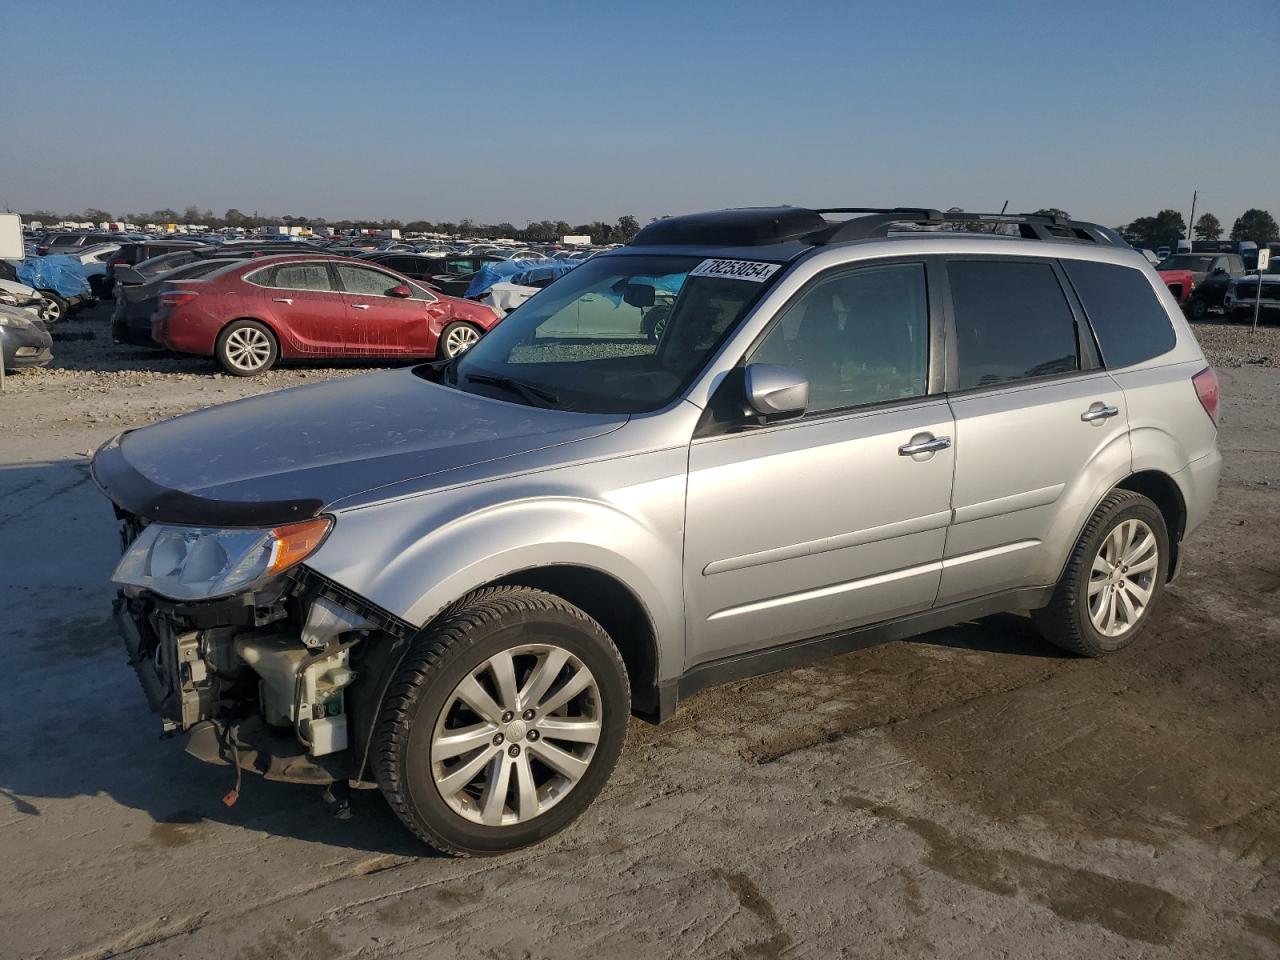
(262, 680)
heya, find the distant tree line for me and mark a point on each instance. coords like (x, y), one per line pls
(1168, 226)
(540, 231)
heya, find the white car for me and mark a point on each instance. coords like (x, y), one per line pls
(93, 264)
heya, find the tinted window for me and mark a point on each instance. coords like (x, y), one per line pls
(302, 276)
(367, 282)
(860, 337)
(1012, 322)
(1123, 310)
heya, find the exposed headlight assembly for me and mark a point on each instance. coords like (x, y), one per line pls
(200, 563)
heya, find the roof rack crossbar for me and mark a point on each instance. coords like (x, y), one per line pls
(877, 221)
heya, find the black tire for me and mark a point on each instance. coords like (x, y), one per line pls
(54, 307)
(473, 630)
(226, 353)
(1065, 622)
(445, 348)
(1197, 309)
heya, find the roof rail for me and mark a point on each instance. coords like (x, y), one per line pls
(1031, 226)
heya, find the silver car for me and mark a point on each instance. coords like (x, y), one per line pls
(748, 439)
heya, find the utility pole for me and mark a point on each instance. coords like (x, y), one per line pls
(1191, 224)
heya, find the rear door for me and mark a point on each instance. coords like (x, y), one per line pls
(378, 324)
(1033, 411)
(308, 312)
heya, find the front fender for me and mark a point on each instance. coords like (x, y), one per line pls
(414, 556)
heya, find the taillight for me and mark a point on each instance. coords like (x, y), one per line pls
(176, 298)
(1206, 384)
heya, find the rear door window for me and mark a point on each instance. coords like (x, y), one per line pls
(302, 276)
(1124, 311)
(1012, 322)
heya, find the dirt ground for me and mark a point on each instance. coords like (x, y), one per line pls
(969, 793)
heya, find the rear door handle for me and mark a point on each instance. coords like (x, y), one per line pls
(359, 306)
(1099, 411)
(930, 445)
(288, 300)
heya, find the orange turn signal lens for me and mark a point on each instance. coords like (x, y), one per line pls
(295, 542)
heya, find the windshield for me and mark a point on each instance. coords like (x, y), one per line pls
(619, 334)
(1187, 262)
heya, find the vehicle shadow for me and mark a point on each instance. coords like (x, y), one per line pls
(1005, 633)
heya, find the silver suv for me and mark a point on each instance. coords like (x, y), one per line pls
(749, 439)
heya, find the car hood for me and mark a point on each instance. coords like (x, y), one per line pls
(289, 455)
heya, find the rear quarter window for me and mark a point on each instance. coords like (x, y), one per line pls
(1123, 310)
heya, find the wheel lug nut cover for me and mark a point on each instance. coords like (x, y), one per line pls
(508, 716)
(533, 734)
(528, 714)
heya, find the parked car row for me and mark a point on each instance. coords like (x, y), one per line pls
(250, 311)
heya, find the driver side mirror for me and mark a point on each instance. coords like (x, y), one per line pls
(400, 291)
(774, 391)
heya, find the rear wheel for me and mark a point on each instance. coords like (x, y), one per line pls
(1113, 580)
(457, 338)
(1197, 309)
(52, 306)
(503, 723)
(246, 348)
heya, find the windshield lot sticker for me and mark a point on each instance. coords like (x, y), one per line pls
(735, 270)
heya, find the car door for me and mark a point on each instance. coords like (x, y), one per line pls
(832, 520)
(308, 312)
(1033, 411)
(379, 324)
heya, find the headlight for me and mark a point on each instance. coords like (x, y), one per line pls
(11, 320)
(198, 563)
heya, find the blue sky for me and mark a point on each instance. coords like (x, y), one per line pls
(587, 111)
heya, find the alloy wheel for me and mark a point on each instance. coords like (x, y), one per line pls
(50, 309)
(1122, 579)
(248, 349)
(516, 735)
(459, 340)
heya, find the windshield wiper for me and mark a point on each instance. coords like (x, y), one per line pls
(526, 390)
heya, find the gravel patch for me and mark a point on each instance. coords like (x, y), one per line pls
(1228, 344)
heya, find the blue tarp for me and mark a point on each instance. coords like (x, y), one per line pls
(56, 272)
(523, 272)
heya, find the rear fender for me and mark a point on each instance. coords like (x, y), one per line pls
(1109, 465)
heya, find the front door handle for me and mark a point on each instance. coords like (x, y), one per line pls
(1099, 411)
(359, 306)
(288, 300)
(923, 444)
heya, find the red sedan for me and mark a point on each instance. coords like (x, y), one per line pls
(253, 313)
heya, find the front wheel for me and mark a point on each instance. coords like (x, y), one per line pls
(246, 348)
(1197, 309)
(457, 338)
(52, 306)
(1113, 580)
(503, 722)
